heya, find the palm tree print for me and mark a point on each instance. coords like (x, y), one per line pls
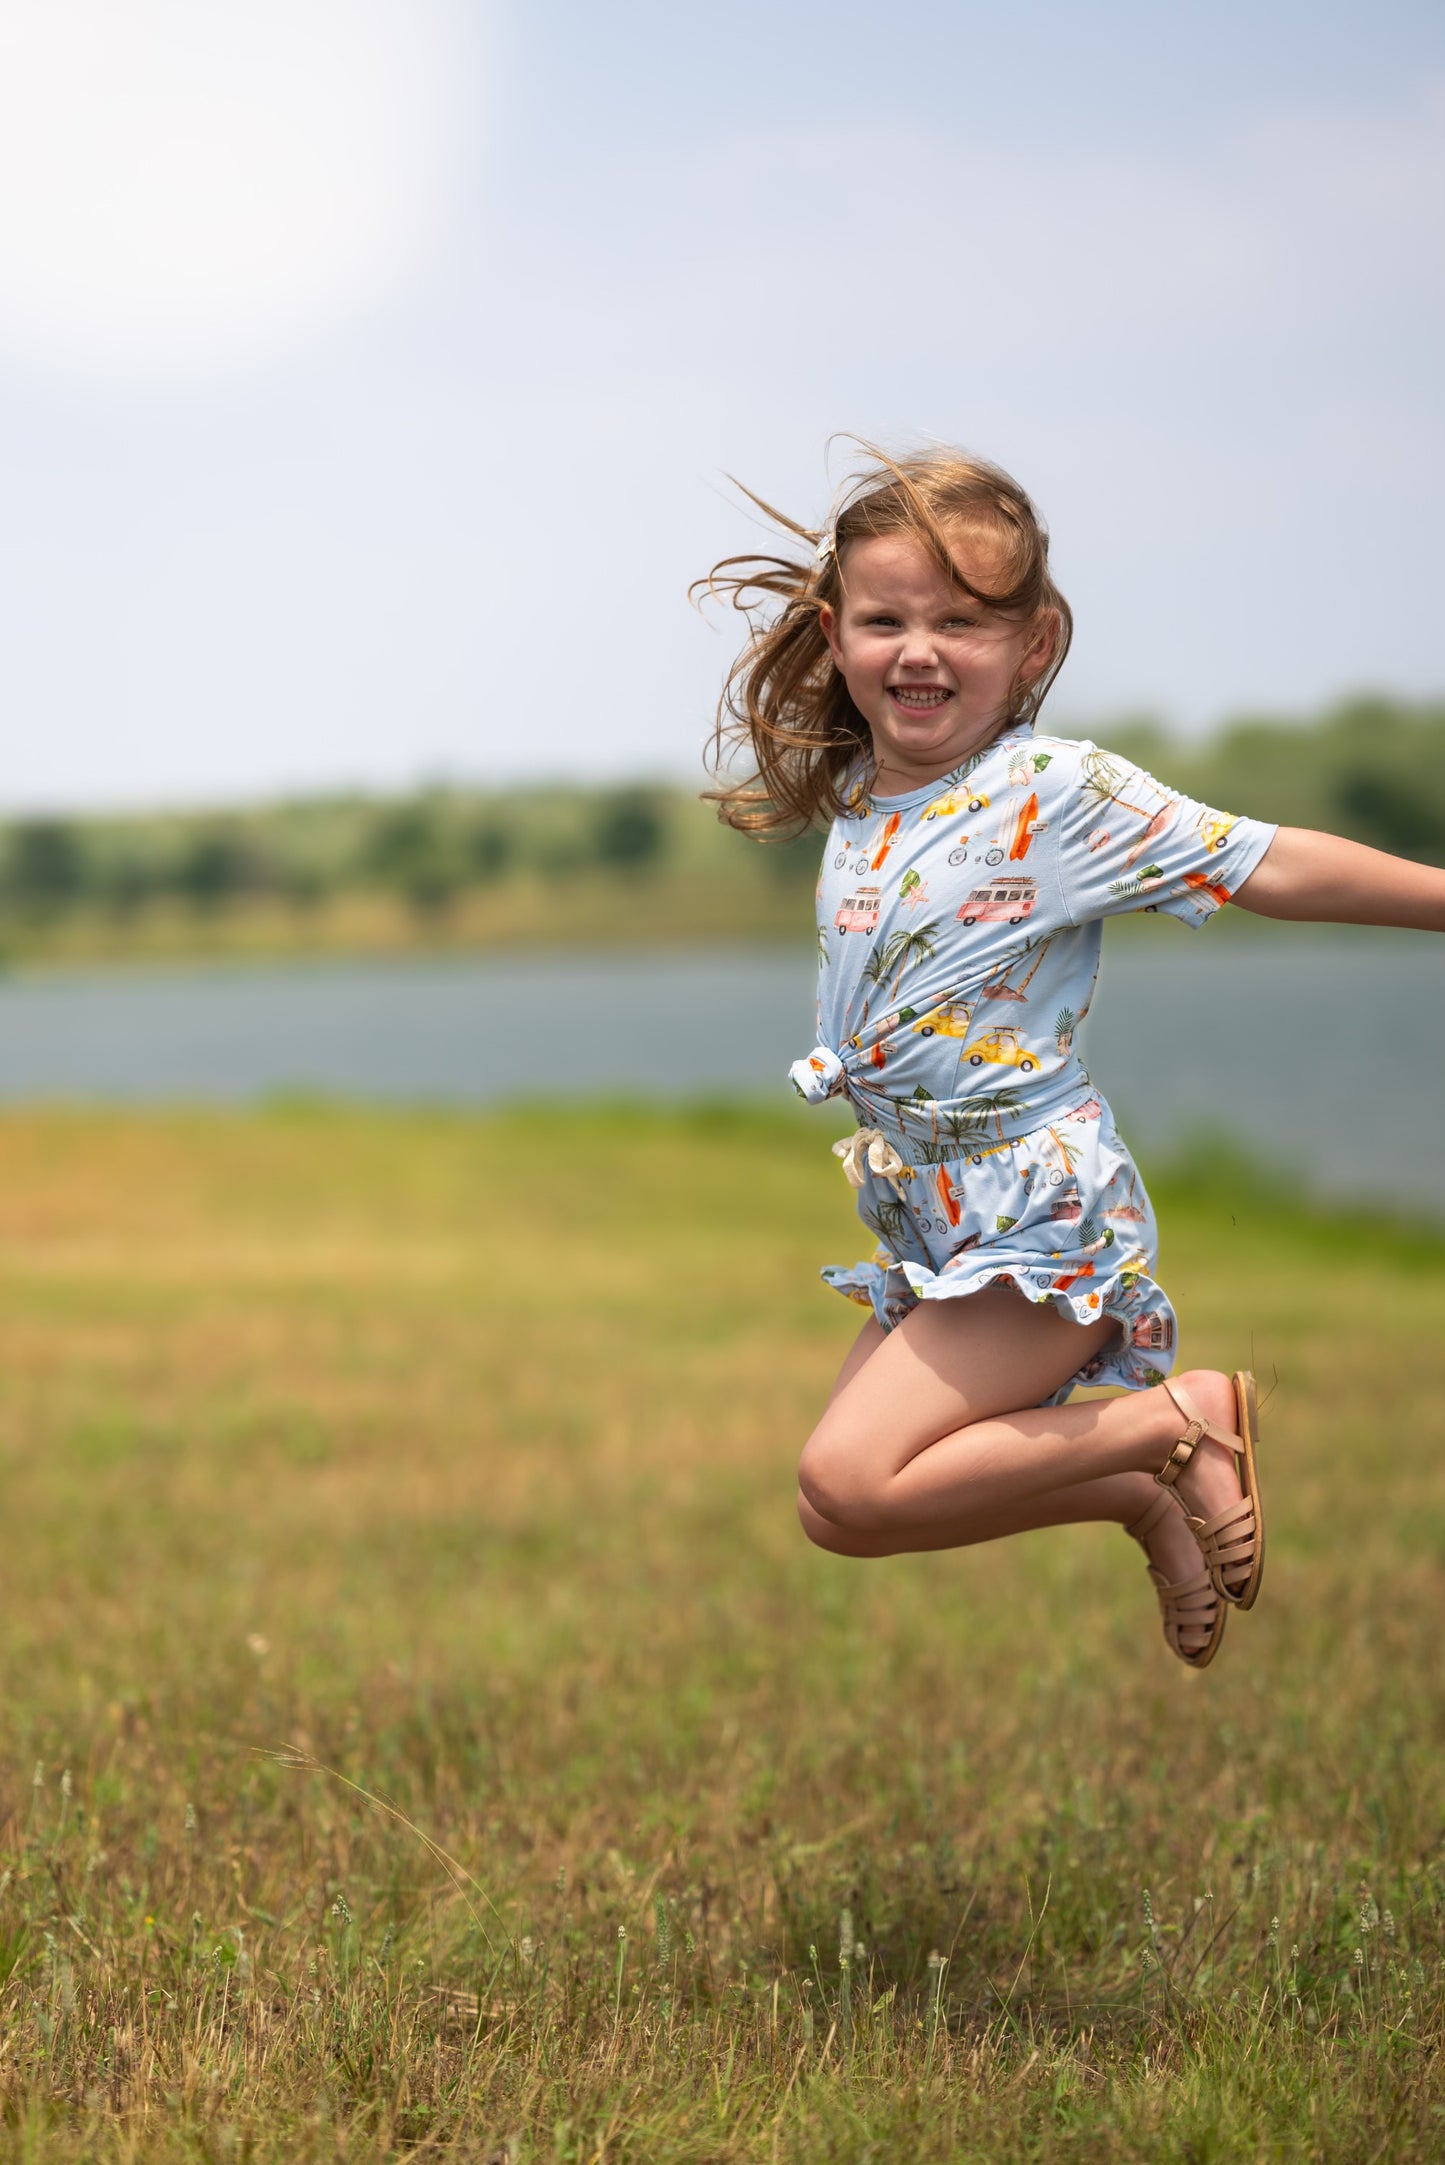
(1071, 1153)
(994, 1105)
(1066, 1022)
(889, 1220)
(902, 948)
(955, 1126)
(1101, 779)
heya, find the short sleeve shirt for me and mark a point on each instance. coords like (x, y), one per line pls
(959, 924)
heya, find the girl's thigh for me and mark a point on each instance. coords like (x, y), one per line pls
(947, 1364)
(863, 1348)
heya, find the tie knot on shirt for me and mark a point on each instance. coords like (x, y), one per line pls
(818, 1076)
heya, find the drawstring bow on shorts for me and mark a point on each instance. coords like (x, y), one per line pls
(822, 1076)
(869, 1151)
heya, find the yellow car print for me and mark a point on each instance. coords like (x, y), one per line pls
(957, 800)
(945, 1021)
(1002, 1047)
(1213, 831)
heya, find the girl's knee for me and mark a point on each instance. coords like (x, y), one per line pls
(825, 1533)
(836, 1482)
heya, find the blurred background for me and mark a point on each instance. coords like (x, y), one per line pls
(370, 377)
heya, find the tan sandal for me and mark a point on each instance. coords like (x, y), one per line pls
(1194, 1615)
(1232, 1541)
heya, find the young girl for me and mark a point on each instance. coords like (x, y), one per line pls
(894, 682)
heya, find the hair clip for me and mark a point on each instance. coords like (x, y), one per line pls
(823, 550)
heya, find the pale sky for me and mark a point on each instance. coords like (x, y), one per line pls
(370, 369)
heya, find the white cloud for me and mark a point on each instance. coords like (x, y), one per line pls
(189, 186)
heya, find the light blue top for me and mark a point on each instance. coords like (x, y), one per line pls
(958, 940)
(959, 926)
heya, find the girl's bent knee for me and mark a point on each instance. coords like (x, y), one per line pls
(825, 1534)
(830, 1480)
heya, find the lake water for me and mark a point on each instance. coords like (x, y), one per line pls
(1322, 1055)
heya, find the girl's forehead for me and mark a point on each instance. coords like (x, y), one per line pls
(903, 558)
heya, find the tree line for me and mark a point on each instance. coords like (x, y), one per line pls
(426, 849)
(1373, 768)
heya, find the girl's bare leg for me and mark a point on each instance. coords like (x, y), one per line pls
(933, 1437)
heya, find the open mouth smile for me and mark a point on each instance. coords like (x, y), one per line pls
(919, 698)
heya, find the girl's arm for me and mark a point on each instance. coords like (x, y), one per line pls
(1327, 880)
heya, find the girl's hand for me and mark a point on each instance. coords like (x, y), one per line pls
(1323, 879)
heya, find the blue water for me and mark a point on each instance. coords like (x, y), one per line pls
(1323, 1055)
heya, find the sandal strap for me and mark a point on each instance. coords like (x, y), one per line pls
(1229, 1544)
(1157, 1508)
(1239, 1515)
(1179, 1457)
(1200, 1424)
(1199, 1588)
(1199, 1427)
(1190, 1610)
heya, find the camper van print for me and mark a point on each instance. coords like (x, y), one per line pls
(1004, 901)
(1154, 1333)
(858, 912)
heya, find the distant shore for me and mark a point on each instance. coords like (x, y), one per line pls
(464, 870)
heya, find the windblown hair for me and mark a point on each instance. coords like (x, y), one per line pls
(785, 706)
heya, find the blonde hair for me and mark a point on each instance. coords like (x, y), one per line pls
(785, 704)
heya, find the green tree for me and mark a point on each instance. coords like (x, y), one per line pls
(1388, 810)
(491, 849)
(631, 833)
(408, 850)
(45, 868)
(794, 863)
(214, 866)
(126, 880)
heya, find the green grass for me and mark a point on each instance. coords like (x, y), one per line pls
(455, 1453)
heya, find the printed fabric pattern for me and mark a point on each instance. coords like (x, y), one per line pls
(959, 934)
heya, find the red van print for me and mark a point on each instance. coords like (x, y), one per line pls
(1006, 901)
(858, 912)
(1154, 1333)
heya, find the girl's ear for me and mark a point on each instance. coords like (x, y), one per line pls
(1040, 650)
(828, 626)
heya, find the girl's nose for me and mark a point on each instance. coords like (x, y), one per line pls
(918, 650)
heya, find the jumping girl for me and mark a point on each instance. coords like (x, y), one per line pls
(893, 682)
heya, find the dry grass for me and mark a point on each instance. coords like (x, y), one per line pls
(456, 1453)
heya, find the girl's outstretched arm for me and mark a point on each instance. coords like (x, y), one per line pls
(1326, 880)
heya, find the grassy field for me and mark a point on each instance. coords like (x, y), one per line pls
(454, 1454)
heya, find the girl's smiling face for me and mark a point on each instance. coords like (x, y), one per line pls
(931, 670)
